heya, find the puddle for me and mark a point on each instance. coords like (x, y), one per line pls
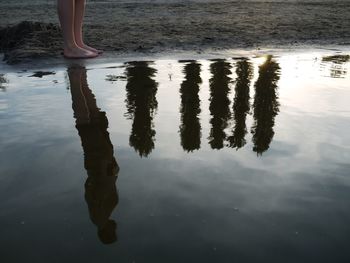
(178, 161)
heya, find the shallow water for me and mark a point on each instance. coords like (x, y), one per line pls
(238, 159)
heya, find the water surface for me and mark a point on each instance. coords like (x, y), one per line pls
(239, 159)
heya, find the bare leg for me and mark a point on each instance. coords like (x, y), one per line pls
(66, 16)
(78, 26)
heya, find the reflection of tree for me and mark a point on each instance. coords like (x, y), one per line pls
(241, 105)
(190, 129)
(3, 81)
(219, 102)
(337, 65)
(100, 164)
(266, 106)
(141, 104)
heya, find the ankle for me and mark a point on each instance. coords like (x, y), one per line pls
(79, 43)
(70, 46)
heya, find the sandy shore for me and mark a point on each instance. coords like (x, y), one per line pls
(121, 27)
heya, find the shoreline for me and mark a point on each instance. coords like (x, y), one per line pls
(110, 58)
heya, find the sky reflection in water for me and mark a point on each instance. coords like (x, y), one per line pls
(214, 161)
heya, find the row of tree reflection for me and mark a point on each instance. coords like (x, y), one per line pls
(190, 128)
(142, 104)
(219, 102)
(241, 105)
(92, 123)
(265, 105)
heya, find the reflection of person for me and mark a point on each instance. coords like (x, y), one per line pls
(71, 14)
(100, 189)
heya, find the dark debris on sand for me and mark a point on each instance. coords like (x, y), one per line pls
(113, 78)
(28, 40)
(338, 59)
(40, 74)
(3, 81)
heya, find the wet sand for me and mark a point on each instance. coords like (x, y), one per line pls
(153, 27)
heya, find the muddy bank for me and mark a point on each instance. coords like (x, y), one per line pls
(29, 40)
(170, 26)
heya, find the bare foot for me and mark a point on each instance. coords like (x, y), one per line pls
(86, 47)
(78, 52)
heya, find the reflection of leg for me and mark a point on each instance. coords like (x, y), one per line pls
(94, 111)
(66, 9)
(81, 111)
(102, 169)
(78, 25)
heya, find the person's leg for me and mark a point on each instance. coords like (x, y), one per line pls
(78, 25)
(66, 17)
